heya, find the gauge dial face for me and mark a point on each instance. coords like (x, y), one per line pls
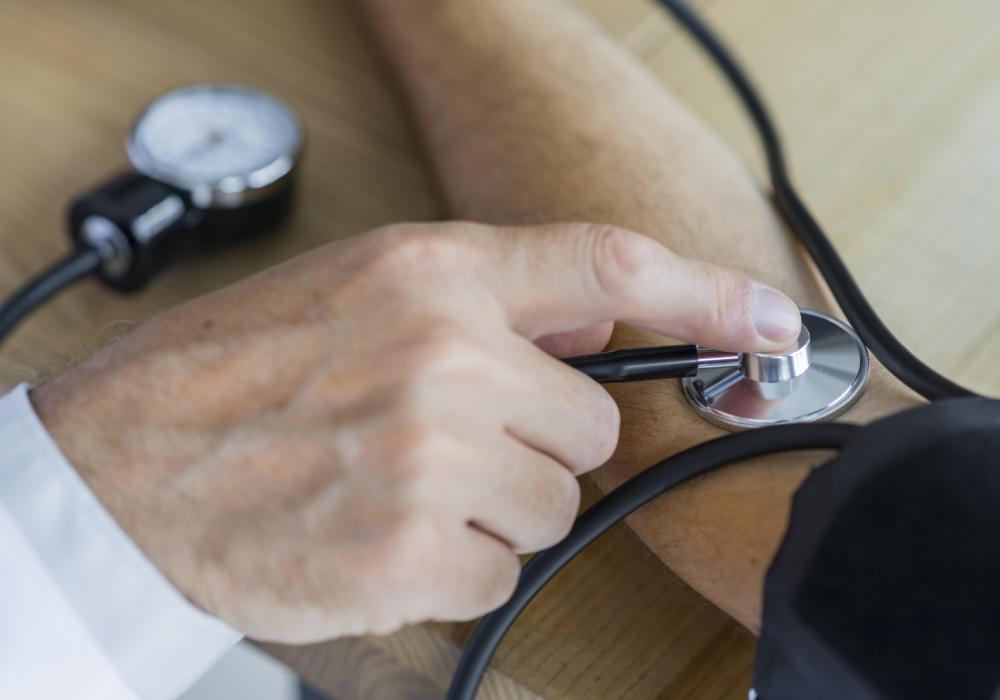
(222, 137)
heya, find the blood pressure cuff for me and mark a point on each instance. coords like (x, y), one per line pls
(887, 584)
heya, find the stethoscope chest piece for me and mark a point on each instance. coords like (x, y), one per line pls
(816, 380)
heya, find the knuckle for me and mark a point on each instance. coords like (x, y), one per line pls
(497, 589)
(444, 346)
(420, 446)
(414, 248)
(385, 240)
(605, 431)
(564, 506)
(618, 257)
(593, 438)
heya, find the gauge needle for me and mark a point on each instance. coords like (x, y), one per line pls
(203, 146)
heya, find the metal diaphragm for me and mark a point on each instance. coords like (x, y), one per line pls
(835, 376)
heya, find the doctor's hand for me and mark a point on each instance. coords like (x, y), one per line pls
(367, 435)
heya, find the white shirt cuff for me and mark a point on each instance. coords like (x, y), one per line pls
(157, 641)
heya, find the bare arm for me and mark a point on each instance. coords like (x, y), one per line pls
(531, 114)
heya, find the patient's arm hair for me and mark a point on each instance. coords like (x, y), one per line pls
(530, 113)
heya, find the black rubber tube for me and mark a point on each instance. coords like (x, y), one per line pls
(902, 363)
(637, 365)
(617, 505)
(661, 477)
(70, 269)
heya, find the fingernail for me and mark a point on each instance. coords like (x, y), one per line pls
(775, 316)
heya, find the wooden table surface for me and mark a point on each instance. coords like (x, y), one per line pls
(890, 109)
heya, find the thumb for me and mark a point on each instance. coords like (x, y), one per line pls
(569, 276)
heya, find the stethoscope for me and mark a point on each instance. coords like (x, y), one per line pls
(817, 378)
(784, 413)
(214, 164)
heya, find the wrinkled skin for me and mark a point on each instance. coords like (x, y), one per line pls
(367, 435)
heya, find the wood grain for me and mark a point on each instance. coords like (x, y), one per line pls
(890, 110)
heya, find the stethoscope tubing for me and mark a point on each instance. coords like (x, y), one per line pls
(661, 477)
(626, 499)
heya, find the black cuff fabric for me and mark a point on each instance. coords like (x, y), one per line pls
(887, 585)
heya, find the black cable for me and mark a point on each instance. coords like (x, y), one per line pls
(638, 364)
(883, 344)
(71, 268)
(614, 507)
(712, 455)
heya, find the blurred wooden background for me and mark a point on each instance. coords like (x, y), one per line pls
(890, 109)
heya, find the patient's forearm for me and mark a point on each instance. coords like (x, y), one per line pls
(531, 114)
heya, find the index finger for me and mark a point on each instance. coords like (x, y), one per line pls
(557, 278)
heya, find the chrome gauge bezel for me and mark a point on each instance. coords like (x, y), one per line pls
(235, 189)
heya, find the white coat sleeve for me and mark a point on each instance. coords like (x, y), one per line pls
(84, 614)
